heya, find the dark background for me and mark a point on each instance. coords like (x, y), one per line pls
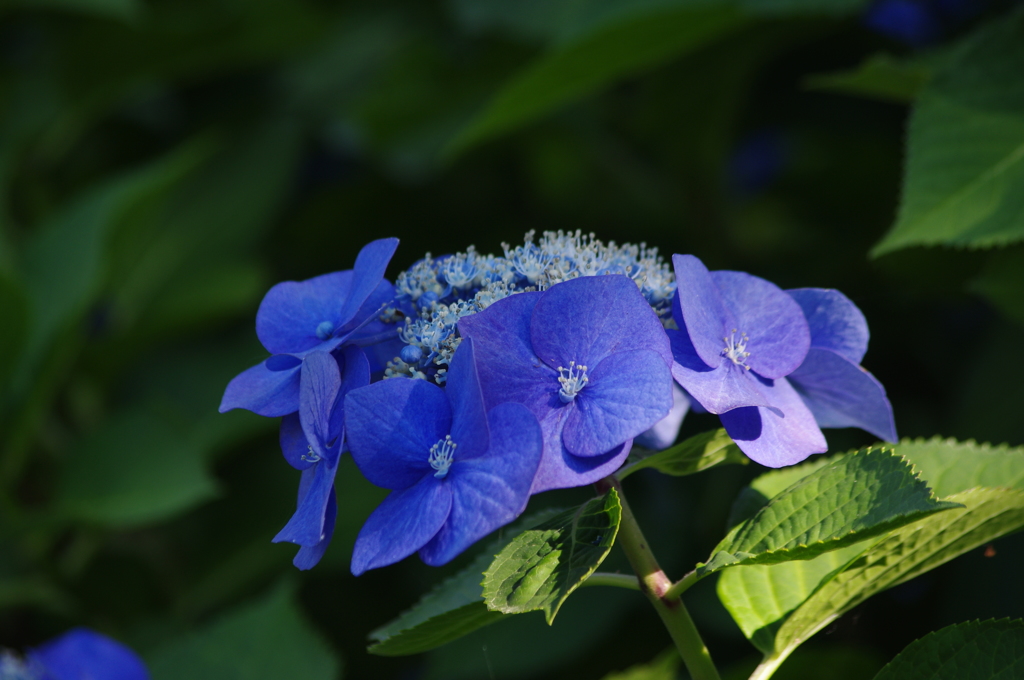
(163, 163)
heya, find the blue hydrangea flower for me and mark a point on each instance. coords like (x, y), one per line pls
(590, 359)
(83, 654)
(830, 380)
(318, 314)
(457, 471)
(312, 441)
(738, 337)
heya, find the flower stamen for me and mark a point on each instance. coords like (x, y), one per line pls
(572, 379)
(312, 456)
(441, 455)
(736, 350)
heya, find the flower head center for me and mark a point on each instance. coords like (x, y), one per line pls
(324, 330)
(736, 349)
(572, 379)
(441, 455)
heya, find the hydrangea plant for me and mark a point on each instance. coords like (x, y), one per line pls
(478, 381)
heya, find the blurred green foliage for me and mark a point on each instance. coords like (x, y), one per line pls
(163, 162)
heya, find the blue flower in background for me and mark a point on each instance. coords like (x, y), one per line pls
(312, 441)
(318, 314)
(739, 336)
(80, 654)
(830, 380)
(913, 22)
(590, 359)
(456, 470)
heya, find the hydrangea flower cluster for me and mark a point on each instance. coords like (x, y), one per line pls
(477, 380)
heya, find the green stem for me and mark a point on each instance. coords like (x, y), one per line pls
(655, 585)
(604, 578)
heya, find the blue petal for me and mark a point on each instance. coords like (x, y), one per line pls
(308, 557)
(321, 381)
(469, 417)
(402, 524)
(772, 439)
(355, 374)
(717, 390)
(382, 296)
(391, 426)
(841, 394)
(293, 441)
(263, 391)
(774, 323)
(699, 309)
(663, 433)
(306, 527)
(83, 654)
(292, 311)
(835, 322)
(367, 274)
(586, 319)
(491, 490)
(628, 392)
(559, 469)
(506, 364)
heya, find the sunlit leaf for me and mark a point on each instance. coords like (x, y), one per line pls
(779, 606)
(853, 498)
(542, 566)
(965, 150)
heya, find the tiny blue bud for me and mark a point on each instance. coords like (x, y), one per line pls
(325, 330)
(411, 354)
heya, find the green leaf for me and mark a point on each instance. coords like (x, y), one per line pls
(1001, 281)
(780, 606)
(950, 466)
(978, 650)
(591, 63)
(902, 555)
(452, 609)
(265, 640)
(136, 470)
(965, 150)
(760, 597)
(697, 453)
(880, 76)
(854, 497)
(663, 667)
(542, 566)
